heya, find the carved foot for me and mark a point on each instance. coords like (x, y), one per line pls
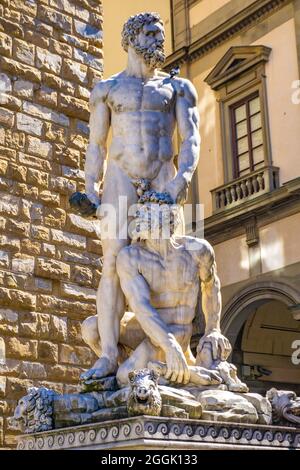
(102, 368)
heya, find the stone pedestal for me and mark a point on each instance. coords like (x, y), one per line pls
(157, 433)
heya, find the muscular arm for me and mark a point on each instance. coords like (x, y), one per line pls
(188, 126)
(97, 150)
(211, 301)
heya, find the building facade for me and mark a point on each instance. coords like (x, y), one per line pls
(243, 56)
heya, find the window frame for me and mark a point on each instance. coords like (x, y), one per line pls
(233, 122)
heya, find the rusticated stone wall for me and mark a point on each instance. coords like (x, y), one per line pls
(50, 56)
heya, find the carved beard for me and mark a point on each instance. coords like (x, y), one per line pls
(153, 56)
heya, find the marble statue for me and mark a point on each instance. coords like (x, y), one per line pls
(160, 278)
(152, 275)
(142, 106)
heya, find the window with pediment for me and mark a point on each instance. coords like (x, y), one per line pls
(239, 82)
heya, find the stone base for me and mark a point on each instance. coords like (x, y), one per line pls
(156, 433)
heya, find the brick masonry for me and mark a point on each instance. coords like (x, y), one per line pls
(50, 259)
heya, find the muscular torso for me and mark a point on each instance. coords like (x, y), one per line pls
(173, 281)
(142, 122)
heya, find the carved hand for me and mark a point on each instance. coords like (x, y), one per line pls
(177, 368)
(221, 347)
(178, 190)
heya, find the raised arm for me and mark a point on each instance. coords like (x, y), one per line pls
(187, 117)
(97, 151)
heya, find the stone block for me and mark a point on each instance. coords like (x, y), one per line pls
(43, 285)
(28, 322)
(58, 20)
(49, 250)
(2, 352)
(8, 242)
(25, 190)
(74, 310)
(39, 232)
(23, 89)
(21, 348)
(55, 217)
(82, 275)
(58, 328)
(64, 5)
(75, 257)
(29, 124)
(55, 133)
(6, 117)
(75, 355)
(30, 247)
(17, 172)
(88, 59)
(8, 322)
(46, 96)
(37, 177)
(5, 83)
(80, 293)
(4, 259)
(52, 269)
(38, 147)
(62, 185)
(80, 225)
(5, 44)
(49, 198)
(23, 264)
(74, 71)
(74, 331)
(95, 246)
(60, 48)
(48, 61)
(66, 238)
(34, 162)
(47, 352)
(21, 228)
(51, 80)
(3, 166)
(67, 156)
(32, 370)
(226, 406)
(22, 299)
(73, 107)
(33, 37)
(45, 113)
(23, 51)
(20, 70)
(2, 387)
(9, 205)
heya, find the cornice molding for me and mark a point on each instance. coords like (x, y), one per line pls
(145, 431)
(242, 20)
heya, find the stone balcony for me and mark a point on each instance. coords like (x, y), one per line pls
(245, 188)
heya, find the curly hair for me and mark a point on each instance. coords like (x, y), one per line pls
(135, 24)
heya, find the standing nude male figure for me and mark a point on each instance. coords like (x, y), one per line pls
(142, 107)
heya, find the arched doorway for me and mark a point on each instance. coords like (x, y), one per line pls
(262, 330)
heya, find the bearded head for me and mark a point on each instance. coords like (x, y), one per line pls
(145, 34)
